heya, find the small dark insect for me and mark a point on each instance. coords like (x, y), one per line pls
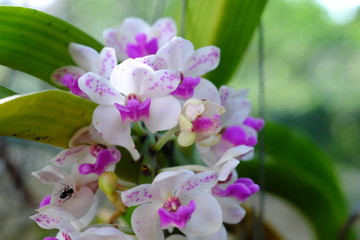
(66, 193)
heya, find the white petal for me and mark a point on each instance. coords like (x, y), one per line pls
(137, 195)
(170, 181)
(50, 174)
(131, 27)
(231, 209)
(226, 168)
(164, 113)
(89, 216)
(107, 232)
(81, 136)
(108, 61)
(198, 182)
(163, 30)
(202, 61)
(153, 61)
(128, 76)
(99, 89)
(45, 221)
(145, 222)
(207, 155)
(219, 235)
(70, 156)
(207, 218)
(59, 73)
(85, 57)
(159, 84)
(234, 152)
(207, 90)
(112, 39)
(107, 121)
(176, 52)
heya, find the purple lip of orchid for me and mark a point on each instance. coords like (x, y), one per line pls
(104, 159)
(134, 109)
(186, 87)
(237, 136)
(172, 214)
(71, 82)
(142, 47)
(255, 123)
(241, 189)
(206, 126)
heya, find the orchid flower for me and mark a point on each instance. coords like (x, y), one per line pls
(179, 54)
(88, 60)
(134, 93)
(175, 199)
(219, 235)
(136, 38)
(230, 193)
(200, 123)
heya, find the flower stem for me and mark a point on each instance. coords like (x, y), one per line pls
(164, 138)
(139, 129)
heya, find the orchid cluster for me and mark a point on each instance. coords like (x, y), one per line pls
(151, 103)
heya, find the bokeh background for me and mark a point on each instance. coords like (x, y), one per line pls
(312, 83)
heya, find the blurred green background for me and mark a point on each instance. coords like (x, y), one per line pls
(312, 83)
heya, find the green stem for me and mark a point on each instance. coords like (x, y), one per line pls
(139, 129)
(164, 139)
(148, 167)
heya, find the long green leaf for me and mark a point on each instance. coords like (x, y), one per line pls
(37, 43)
(228, 24)
(297, 170)
(50, 117)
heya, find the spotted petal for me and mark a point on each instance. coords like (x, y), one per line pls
(50, 174)
(159, 84)
(198, 182)
(70, 156)
(58, 75)
(138, 195)
(112, 39)
(202, 61)
(163, 30)
(108, 61)
(99, 89)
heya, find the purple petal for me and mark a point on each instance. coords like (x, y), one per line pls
(237, 136)
(104, 159)
(45, 201)
(241, 189)
(176, 219)
(142, 47)
(206, 124)
(134, 110)
(186, 88)
(255, 123)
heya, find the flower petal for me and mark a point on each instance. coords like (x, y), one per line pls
(164, 113)
(154, 62)
(108, 61)
(202, 61)
(145, 222)
(107, 121)
(231, 210)
(175, 53)
(112, 39)
(207, 218)
(84, 56)
(170, 181)
(163, 30)
(70, 156)
(198, 182)
(128, 76)
(159, 84)
(207, 90)
(50, 174)
(137, 195)
(58, 75)
(99, 89)
(219, 235)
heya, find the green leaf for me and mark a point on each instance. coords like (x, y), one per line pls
(50, 117)
(228, 24)
(37, 43)
(5, 92)
(297, 170)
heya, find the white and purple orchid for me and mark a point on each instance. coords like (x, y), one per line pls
(135, 92)
(179, 54)
(178, 199)
(136, 38)
(87, 60)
